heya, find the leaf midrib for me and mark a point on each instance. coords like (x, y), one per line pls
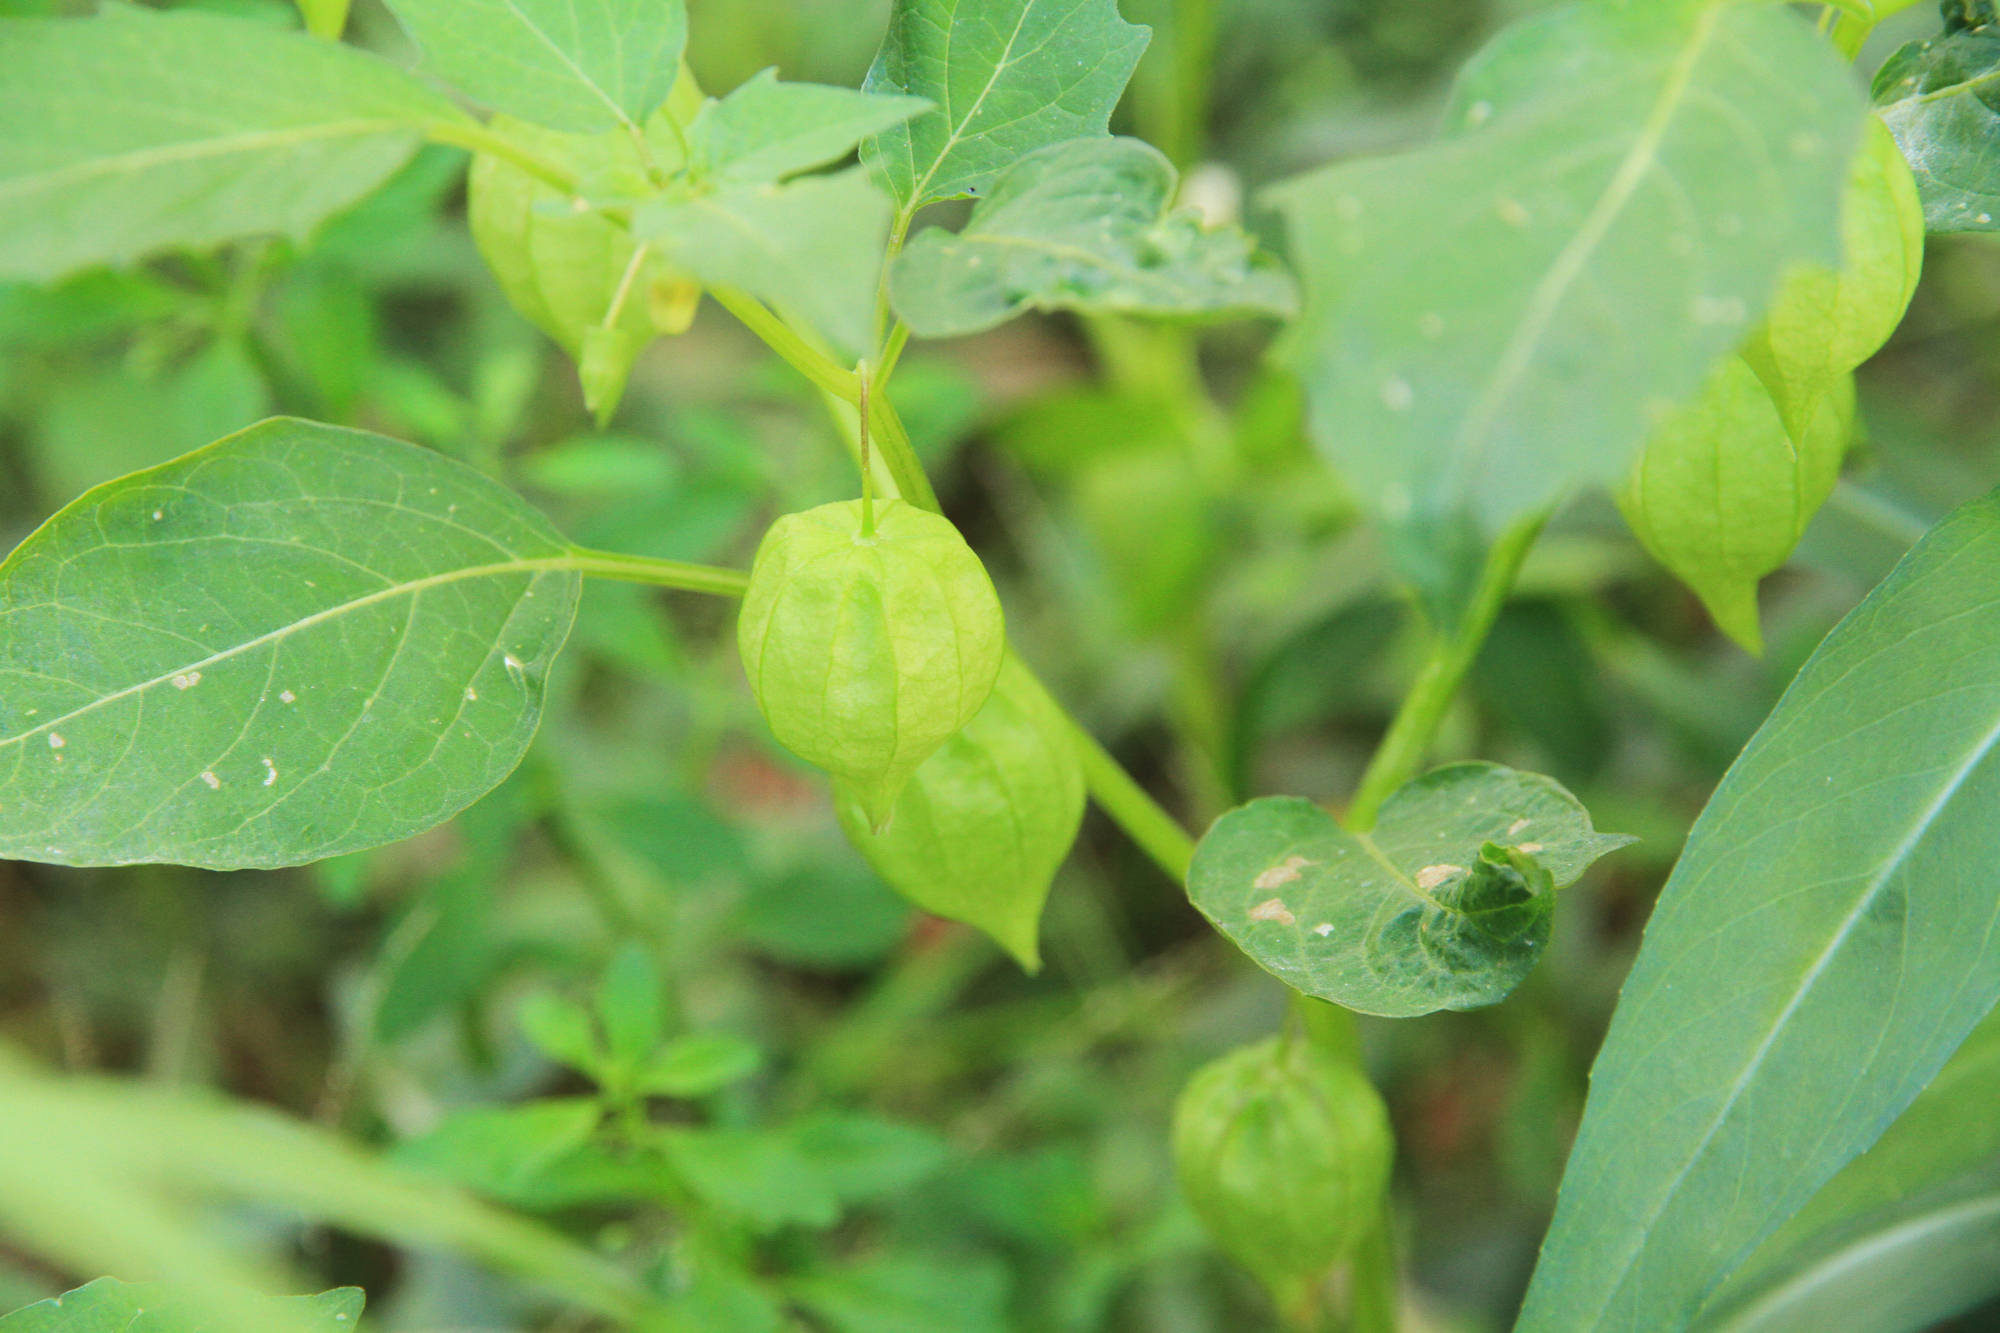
(541, 564)
(144, 159)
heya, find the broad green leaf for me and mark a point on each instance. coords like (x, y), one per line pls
(110, 1306)
(576, 65)
(1005, 77)
(698, 1064)
(765, 130)
(1444, 904)
(812, 246)
(1825, 322)
(1907, 1235)
(1941, 99)
(630, 1005)
(1084, 225)
(296, 642)
(138, 131)
(985, 822)
(909, 1293)
(503, 1151)
(568, 272)
(758, 1175)
(1503, 315)
(1722, 493)
(1823, 946)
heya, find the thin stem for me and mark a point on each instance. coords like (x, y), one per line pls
(478, 138)
(892, 352)
(659, 573)
(781, 338)
(1402, 750)
(892, 440)
(867, 472)
(625, 284)
(1156, 832)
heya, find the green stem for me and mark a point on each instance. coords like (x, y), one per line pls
(866, 462)
(658, 573)
(1157, 833)
(781, 338)
(477, 138)
(1402, 751)
(1372, 1298)
(892, 440)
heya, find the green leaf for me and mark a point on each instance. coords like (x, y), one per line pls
(1941, 99)
(758, 1175)
(1503, 315)
(1903, 1238)
(1005, 77)
(630, 1006)
(138, 131)
(910, 1293)
(986, 821)
(1825, 322)
(1722, 494)
(698, 1064)
(561, 1030)
(765, 130)
(110, 1306)
(566, 271)
(502, 1151)
(1823, 946)
(324, 18)
(576, 65)
(1084, 225)
(1444, 904)
(811, 246)
(296, 642)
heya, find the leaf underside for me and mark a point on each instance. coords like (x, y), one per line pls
(1941, 99)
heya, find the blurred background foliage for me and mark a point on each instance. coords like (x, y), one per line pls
(873, 1110)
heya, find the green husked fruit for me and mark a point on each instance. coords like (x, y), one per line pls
(1723, 493)
(1823, 324)
(985, 822)
(1283, 1149)
(866, 653)
(562, 269)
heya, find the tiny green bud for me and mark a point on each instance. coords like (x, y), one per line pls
(868, 652)
(1823, 323)
(1283, 1149)
(986, 821)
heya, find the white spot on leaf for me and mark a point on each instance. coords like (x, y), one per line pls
(1273, 909)
(286, 696)
(1431, 876)
(1280, 874)
(1529, 847)
(56, 742)
(1516, 827)
(1397, 395)
(214, 782)
(270, 771)
(1323, 929)
(187, 680)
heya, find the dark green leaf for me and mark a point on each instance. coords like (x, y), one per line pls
(1445, 904)
(1824, 944)
(1005, 77)
(137, 131)
(1499, 317)
(297, 642)
(765, 130)
(1907, 1235)
(1941, 99)
(1084, 225)
(576, 65)
(110, 1306)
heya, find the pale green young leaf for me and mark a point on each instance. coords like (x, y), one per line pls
(697, 1064)
(575, 65)
(110, 1306)
(1823, 946)
(579, 277)
(1907, 1236)
(1444, 904)
(1722, 493)
(1941, 99)
(765, 130)
(503, 1151)
(812, 246)
(1825, 322)
(138, 131)
(1499, 317)
(1085, 225)
(296, 642)
(630, 1005)
(986, 821)
(1005, 77)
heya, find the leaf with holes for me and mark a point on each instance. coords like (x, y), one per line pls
(297, 642)
(1084, 225)
(1941, 99)
(1826, 942)
(1499, 317)
(136, 131)
(576, 65)
(110, 1306)
(1444, 904)
(1005, 77)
